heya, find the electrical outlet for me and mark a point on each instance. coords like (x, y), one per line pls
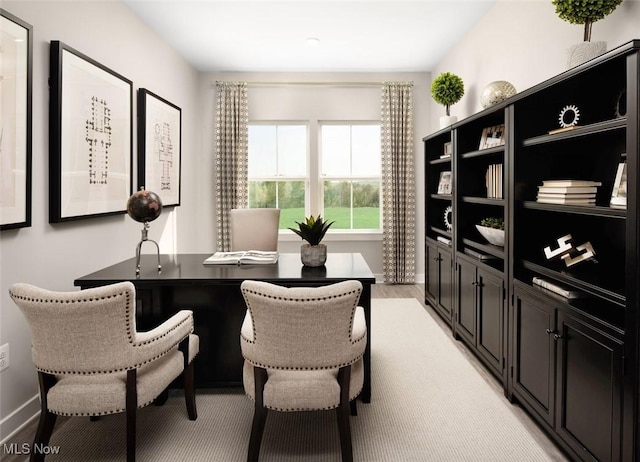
(4, 357)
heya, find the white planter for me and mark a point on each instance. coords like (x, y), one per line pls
(584, 51)
(493, 235)
(446, 121)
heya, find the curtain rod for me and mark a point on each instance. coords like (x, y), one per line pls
(333, 84)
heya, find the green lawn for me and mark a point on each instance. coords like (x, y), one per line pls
(364, 218)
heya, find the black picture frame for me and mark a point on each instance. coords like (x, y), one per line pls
(492, 137)
(90, 137)
(16, 69)
(159, 147)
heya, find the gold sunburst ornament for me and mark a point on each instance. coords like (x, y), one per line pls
(569, 116)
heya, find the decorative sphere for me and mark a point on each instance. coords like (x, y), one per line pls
(144, 206)
(496, 92)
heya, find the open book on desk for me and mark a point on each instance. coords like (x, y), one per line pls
(249, 257)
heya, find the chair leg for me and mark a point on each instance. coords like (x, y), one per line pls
(162, 398)
(132, 407)
(259, 415)
(354, 407)
(344, 376)
(189, 380)
(190, 391)
(47, 419)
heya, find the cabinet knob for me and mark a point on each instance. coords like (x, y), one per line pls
(557, 336)
(549, 331)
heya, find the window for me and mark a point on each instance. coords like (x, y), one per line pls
(339, 178)
(351, 177)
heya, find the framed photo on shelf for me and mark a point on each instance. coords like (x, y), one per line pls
(444, 185)
(619, 191)
(448, 150)
(159, 146)
(90, 137)
(16, 84)
(492, 137)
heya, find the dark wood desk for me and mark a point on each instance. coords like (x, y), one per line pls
(212, 292)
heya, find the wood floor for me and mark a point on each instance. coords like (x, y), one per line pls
(377, 291)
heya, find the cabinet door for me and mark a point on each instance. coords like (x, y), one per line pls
(490, 308)
(446, 282)
(534, 354)
(466, 300)
(589, 390)
(432, 270)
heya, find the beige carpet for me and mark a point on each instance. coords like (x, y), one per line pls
(428, 404)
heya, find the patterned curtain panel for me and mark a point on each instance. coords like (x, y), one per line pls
(232, 138)
(398, 184)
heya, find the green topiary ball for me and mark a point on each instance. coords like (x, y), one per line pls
(447, 89)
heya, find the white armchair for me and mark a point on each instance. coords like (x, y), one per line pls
(303, 350)
(92, 361)
(254, 229)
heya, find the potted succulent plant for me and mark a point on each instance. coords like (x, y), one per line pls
(492, 229)
(312, 230)
(447, 89)
(585, 12)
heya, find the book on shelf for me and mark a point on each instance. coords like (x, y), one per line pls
(444, 240)
(566, 200)
(567, 195)
(558, 288)
(567, 183)
(568, 189)
(493, 181)
(248, 257)
(478, 255)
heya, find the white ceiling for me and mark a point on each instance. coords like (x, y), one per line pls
(355, 35)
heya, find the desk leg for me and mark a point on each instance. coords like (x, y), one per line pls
(365, 302)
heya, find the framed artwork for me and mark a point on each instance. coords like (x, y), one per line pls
(90, 137)
(159, 146)
(16, 84)
(444, 185)
(448, 150)
(492, 137)
(619, 192)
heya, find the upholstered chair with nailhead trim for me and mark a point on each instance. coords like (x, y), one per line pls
(254, 229)
(303, 349)
(91, 361)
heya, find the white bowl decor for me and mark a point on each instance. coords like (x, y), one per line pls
(493, 235)
(496, 92)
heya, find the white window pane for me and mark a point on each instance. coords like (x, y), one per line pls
(336, 150)
(365, 150)
(262, 151)
(292, 150)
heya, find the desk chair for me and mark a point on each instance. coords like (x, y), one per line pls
(91, 361)
(303, 350)
(254, 229)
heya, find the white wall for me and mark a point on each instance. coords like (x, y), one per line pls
(54, 255)
(525, 43)
(316, 103)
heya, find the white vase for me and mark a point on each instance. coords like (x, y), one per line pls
(446, 121)
(584, 51)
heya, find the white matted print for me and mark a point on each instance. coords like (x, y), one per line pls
(159, 146)
(16, 69)
(91, 130)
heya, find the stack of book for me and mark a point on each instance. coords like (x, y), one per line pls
(571, 192)
(493, 180)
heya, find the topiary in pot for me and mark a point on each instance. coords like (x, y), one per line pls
(447, 89)
(313, 230)
(585, 12)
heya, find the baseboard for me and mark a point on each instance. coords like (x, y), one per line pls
(19, 419)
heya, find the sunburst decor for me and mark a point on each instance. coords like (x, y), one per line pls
(569, 116)
(448, 218)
